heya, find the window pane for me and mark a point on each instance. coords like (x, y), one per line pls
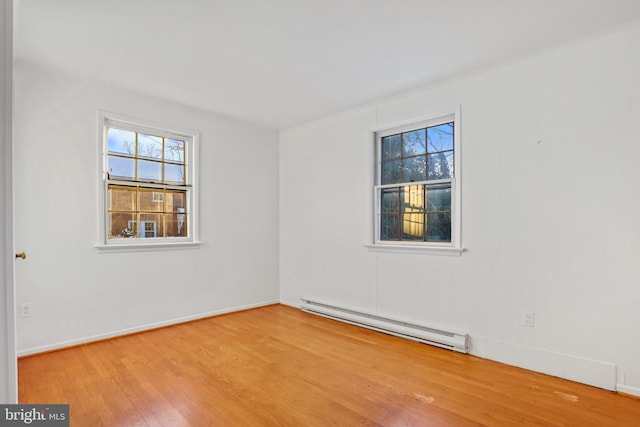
(391, 172)
(414, 169)
(176, 225)
(440, 138)
(149, 171)
(390, 200)
(389, 227)
(175, 201)
(391, 147)
(122, 225)
(440, 165)
(439, 199)
(412, 199)
(151, 225)
(151, 200)
(122, 199)
(174, 150)
(121, 142)
(149, 146)
(173, 174)
(120, 167)
(439, 227)
(413, 226)
(413, 143)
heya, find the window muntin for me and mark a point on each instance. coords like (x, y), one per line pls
(415, 190)
(148, 184)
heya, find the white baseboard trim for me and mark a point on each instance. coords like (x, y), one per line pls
(567, 366)
(290, 303)
(147, 327)
(634, 391)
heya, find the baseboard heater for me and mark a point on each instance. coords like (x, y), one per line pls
(433, 336)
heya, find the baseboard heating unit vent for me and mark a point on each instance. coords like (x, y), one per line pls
(446, 339)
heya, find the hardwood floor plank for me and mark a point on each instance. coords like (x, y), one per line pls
(279, 366)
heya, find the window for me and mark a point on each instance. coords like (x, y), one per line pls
(416, 195)
(148, 180)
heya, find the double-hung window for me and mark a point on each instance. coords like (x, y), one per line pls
(148, 184)
(416, 193)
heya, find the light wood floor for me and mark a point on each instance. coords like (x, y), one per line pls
(278, 366)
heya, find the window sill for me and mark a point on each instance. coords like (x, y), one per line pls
(416, 249)
(145, 247)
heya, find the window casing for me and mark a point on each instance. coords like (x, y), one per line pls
(416, 190)
(147, 184)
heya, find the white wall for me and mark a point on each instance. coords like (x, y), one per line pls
(550, 149)
(8, 366)
(79, 294)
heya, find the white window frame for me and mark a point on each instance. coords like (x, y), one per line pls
(157, 197)
(437, 248)
(143, 228)
(106, 120)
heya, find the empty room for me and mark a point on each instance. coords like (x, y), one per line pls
(355, 212)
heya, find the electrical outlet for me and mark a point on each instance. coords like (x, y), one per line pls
(26, 310)
(528, 318)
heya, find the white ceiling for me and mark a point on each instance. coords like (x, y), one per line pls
(283, 62)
